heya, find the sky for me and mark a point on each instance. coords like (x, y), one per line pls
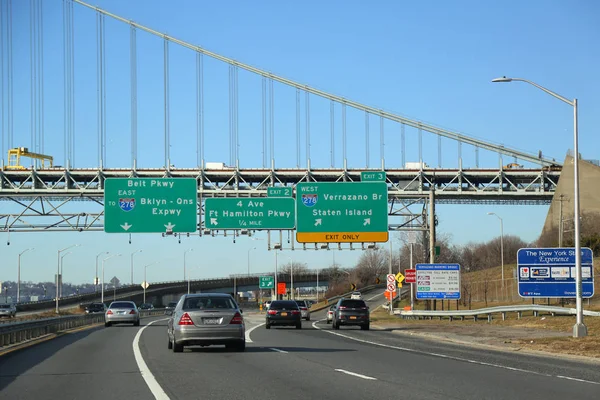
(432, 61)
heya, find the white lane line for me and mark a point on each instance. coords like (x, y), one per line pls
(357, 375)
(153, 385)
(377, 295)
(577, 380)
(250, 330)
(278, 350)
(449, 357)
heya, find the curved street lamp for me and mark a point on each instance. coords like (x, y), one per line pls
(107, 258)
(58, 280)
(19, 274)
(579, 329)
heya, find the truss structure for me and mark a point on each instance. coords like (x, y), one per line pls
(73, 200)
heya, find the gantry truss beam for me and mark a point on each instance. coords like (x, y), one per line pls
(73, 200)
(498, 148)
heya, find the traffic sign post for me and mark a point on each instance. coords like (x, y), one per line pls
(550, 272)
(250, 213)
(145, 205)
(438, 281)
(342, 212)
(266, 282)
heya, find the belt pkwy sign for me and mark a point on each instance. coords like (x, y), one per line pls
(150, 205)
(250, 213)
(342, 212)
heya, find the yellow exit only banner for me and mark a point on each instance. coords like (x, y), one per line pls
(341, 237)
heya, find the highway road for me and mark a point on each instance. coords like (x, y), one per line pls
(284, 363)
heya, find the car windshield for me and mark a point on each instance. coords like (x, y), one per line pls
(172, 304)
(203, 303)
(122, 304)
(284, 305)
(4, 305)
(353, 303)
(302, 303)
(96, 306)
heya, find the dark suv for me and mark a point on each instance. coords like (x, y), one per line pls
(283, 312)
(95, 308)
(351, 312)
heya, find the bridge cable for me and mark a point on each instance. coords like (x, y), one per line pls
(200, 109)
(403, 144)
(41, 41)
(133, 78)
(332, 127)
(382, 143)
(476, 156)
(307, 127)
(439, 151)
(272, 121)
(420, 146)
(367, 138)
(2, 58)
(297, 128)
(9, 40)
(344, 143)
(166, 93)
(264, 121)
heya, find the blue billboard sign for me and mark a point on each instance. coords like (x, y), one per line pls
(550, 272)
(438, 281)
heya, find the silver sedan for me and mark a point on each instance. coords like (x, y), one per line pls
(122, 312)
(206, 319)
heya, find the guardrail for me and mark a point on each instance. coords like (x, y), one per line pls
(17, 332)
(519, 309)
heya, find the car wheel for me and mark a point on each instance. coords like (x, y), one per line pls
(241, 346)
(364, 327)
(336, 325)
(268, 326)
(308, 318)
(170, 345)
(299, 326)
(107, 324)
(177, 347)
(136, 323)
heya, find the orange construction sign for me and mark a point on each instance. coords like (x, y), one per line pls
(387, 294)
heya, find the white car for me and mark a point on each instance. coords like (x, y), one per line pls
(330, 314)
(356, 296)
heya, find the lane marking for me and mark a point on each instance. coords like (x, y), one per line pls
(449, 357)
(377, 295)
(577, 380)
(153, 385)
(357, 375)
(250, 330)
(278, 350)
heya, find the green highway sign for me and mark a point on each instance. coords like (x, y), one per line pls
(266, 282)
(279, 191)
(376, 176)
(342, 212)
(150, 205)
(250, 213)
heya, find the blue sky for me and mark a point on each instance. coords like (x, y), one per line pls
(431, 61)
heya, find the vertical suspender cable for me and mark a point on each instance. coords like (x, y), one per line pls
(307, 111)
(236, 119)
(272, 121)
(332, 127)
(403, 144)
(199, 162)
(166, 93)
(41, 41)
(367, 139)
(32, 87)
(10, 76)
(201, 56)
(72, 81)
(297, 128)
(459, 152)
(476, 156)
(65, 86)
(133, 79)
(439, 151)
(264, 122)
(344, 143)
(382, 142)
(420, 145)
(2, 58)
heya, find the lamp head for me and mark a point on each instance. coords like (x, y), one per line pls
(503, 79)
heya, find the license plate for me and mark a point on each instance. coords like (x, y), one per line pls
(211, 321)
(122, 312)
(352, 317)
(284, 314)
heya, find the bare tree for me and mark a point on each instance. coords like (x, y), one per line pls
(299, 268)
(371, 264)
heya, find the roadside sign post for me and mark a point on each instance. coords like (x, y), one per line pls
(391, 287)
(250, 213)
(342, 212)
(438, 281)
(150, 205)
(411, 277)
(550, 272)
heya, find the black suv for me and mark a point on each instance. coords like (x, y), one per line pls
(95, 308)
(351, 312)
(283, 312)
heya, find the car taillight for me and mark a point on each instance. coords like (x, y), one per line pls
(342, 308)
(304, 308)
(364, 308)
(185, 320)
(237, 319)
(272, 312)
(109, 312)
(294, 312)
(132, 312)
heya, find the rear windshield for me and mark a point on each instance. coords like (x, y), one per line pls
(173, 304)
(122, 304)
(353, 303)
(4, 305)
(284, 305)
(302, 303)
(207, 303)
(96, 306)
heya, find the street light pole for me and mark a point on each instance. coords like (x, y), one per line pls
(184, 266)
(579, 329)
(96, 276)
(58, 272)
(109, 257)
(132, 254)
(61, 272)
(19, 275)
(146, 283)
(501, 244)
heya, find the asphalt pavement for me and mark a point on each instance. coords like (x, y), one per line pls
(285, 363)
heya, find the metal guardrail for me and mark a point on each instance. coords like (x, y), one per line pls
(519, 309)
(17, 332)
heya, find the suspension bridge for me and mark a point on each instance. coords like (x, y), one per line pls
(41, 196)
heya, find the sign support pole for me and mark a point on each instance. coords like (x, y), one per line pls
(412, 285)
(390, 272)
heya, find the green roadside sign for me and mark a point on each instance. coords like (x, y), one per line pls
(279, 191)
(375, 176)
(250, 213)
(150, 205)
(342, 212)
(266, 282)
